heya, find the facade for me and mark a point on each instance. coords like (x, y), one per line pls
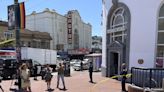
(81, 34)
(132, 34)
(35, 39)
(68, 32)
(4, 32)
(96, 44)
(49, 21)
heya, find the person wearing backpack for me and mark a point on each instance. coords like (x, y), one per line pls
(48, 76)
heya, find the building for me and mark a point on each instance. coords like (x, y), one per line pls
(79, 35)
(133, 32)
(6, 34)
(35, 39)
(96, 44)
(69, 33)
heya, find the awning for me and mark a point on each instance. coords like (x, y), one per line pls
(7, 41)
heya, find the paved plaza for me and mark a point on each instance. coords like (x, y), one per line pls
(77, 82)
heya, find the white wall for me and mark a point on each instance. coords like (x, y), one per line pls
(106, 6)
(51, 22)
(142, 33)
(84, 30)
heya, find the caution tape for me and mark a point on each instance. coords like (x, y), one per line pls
(6, 41)
(113, 77)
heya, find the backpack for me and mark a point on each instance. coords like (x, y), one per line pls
(48, 75)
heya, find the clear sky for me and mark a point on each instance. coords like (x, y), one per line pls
(90, 10)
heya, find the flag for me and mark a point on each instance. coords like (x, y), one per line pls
(22, 15)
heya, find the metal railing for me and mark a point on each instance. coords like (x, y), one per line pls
(147, 77)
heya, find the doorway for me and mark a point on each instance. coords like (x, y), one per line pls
(114, 63)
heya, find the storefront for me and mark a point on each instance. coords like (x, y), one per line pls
(132, 31)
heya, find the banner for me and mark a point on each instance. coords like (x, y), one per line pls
(16, 16)
(11, 17)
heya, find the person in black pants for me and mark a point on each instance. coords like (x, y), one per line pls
(91, 71)
(123, 81)
(35, 72)
(81, 65)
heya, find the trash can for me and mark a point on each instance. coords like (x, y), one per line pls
(66, 68)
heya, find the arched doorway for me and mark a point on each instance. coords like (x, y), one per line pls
(118, 38)
(160, 41)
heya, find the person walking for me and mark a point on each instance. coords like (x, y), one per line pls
(91, 71)
(60, 70)
(48, 76)
(25, 78)
(123, 81)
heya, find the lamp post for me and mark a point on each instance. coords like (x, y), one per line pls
(18, 53)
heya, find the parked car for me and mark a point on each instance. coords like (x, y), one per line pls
(77, 65)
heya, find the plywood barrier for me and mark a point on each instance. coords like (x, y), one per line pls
(133, 88)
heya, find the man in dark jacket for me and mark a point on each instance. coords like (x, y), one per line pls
(91, 71)
(123, 73)
(35, 72)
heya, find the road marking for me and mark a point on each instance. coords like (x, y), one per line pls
(106, 79)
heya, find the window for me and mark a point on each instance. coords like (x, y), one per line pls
(8, 35)
(118, 25)
(160, 40)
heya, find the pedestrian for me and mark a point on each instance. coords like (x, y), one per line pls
(123, 81)
(91, 71)
(60, 70)
(81, 65)
(48, 76)
(43, 71)
(25, 78)
(35, 71)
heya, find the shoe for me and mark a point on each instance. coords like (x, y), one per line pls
(64, 88)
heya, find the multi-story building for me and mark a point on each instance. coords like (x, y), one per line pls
(133, 31)
(79, 34)
(50, 21)
(96, 44)
(68, 32)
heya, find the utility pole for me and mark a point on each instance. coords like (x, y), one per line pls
(18, 51)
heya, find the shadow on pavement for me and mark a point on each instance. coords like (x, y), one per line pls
(92, 82)
(50, 90)
(62, 89)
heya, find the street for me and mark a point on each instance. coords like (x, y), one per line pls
(77, 82)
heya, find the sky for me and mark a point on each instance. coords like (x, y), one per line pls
(90, 10)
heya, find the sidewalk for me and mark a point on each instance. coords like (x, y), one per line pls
(78, 82)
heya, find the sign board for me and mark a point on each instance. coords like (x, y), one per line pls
(140, 61)
(116, 29)
(69, 27)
